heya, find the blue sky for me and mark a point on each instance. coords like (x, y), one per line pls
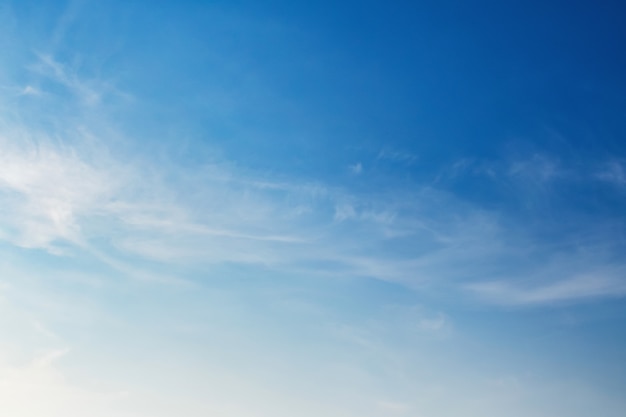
(245, 209)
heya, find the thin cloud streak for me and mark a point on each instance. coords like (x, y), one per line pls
(61, 197)
(64, 190)
(579, 288)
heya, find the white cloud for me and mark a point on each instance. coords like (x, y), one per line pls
(89, 93)
(433, 324)
(59, 197)
(356, 169)
(45, 190)
(398, 156)
(572, 288)
(538, 168)
(69, 189)
(29, 90)
(614, 172)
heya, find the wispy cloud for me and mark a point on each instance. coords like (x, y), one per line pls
(356, 169)
(29, 90)
(398, 156)
(52, 195)
(47, 190)
(538, 168)
(56, 196)
(89, 93)
(613, 172)
(565, 287)
(68, 189)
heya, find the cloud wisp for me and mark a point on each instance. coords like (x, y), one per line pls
(59, 197)
(66, 187)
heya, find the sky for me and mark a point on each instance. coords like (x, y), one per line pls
(285, 208)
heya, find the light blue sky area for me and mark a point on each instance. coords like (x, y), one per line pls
(247, 209)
